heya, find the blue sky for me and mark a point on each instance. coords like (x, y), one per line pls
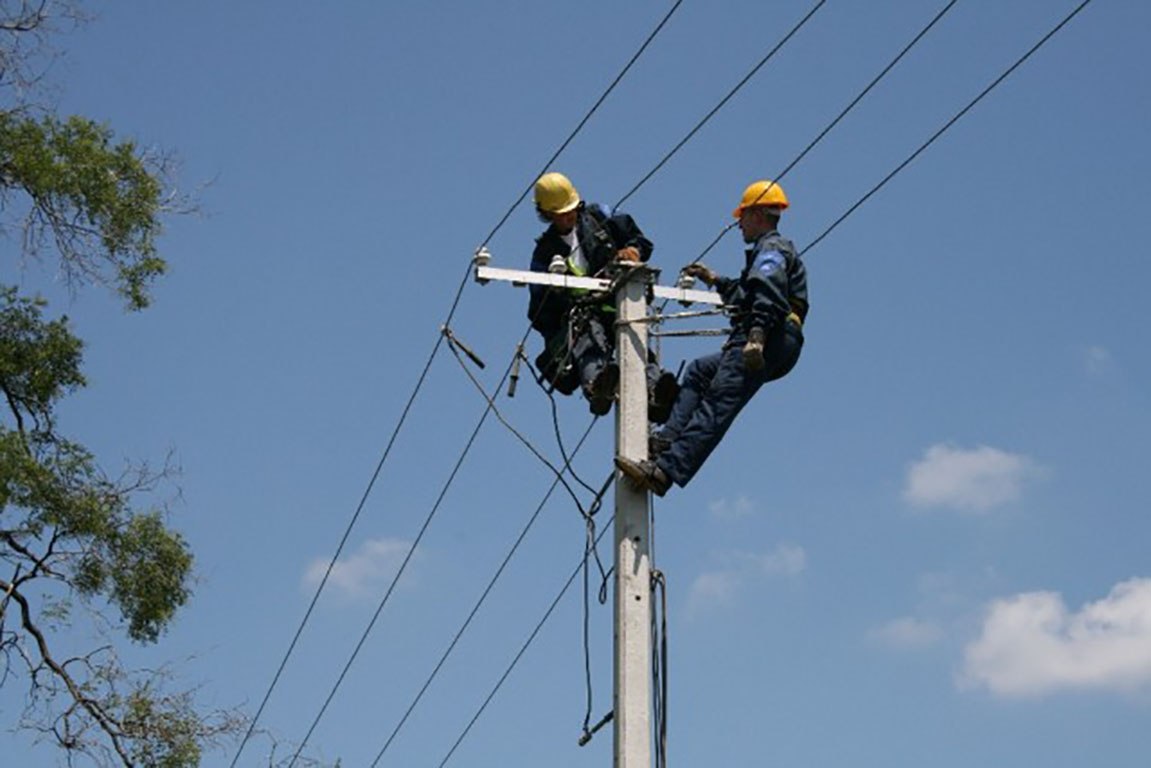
(926, 546)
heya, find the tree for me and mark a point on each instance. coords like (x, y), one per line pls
(73, 544)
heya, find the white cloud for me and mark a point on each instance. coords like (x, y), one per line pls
(722, 586)
(786, 559)
(1097, 360)
(975, 480)
(1031, 645)
(731, 510)
(363, 572)
(907, 633)
(714, 587)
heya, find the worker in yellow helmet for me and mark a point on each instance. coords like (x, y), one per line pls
(769, 305)
(577, 329)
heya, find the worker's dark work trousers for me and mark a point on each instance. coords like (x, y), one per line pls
(593, 348)
(714, 390)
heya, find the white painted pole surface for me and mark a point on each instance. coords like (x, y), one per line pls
(632, 547)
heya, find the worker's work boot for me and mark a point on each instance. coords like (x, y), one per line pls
(644, 475)
(602, 390)
(662, 398)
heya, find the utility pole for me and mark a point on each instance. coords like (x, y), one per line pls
(633, 653)
(632, 698)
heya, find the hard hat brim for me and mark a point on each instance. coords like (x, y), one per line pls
(739, 211)
(570, 206)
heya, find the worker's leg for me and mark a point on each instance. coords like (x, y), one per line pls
(599, 374)
(696, 380)
(709, 406)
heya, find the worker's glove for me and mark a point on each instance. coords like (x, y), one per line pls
(630, 253)
(702, 272)
(753, 350)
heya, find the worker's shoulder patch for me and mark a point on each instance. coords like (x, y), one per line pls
(770, 262)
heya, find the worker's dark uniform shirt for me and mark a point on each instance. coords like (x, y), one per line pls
(600, 236)
(770, 293)
(772, 285)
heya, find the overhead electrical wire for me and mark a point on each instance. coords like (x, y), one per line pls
(391, 588)
(843, 113)
(519, 655)
(415, 392)
(995, 83)
(592, 111)
(489, 409)
(690, 134)
(475, 609)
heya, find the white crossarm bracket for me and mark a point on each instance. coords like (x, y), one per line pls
(525, 277)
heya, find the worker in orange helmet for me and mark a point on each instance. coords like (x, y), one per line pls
(769, 306)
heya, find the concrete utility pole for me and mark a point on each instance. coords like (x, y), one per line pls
(633, 735)
(633, 653)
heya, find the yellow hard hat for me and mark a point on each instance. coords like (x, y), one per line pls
(556, 194)
(763, 192)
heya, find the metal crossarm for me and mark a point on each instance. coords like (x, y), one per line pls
(527, 277)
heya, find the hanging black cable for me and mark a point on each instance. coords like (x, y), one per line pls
(479, 603)
(659, 666)
(591, 549)
(948, 124)
(489, 409)
(559, 473)
(720, 105)
(518, 656)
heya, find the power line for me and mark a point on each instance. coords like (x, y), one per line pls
(489, 409)
(586, 117)
(391, 588)
(519, 655)
(838, 118)
(491, 402)
(948, 124)
(415, 392)
(479, 603)
(347, 533)
(721, 103)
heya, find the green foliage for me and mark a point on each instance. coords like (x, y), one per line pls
(165, 732)
(131, 559)
(39, 361)
(63, 520)
(150, 566)
(70, 190)
(97, 200)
